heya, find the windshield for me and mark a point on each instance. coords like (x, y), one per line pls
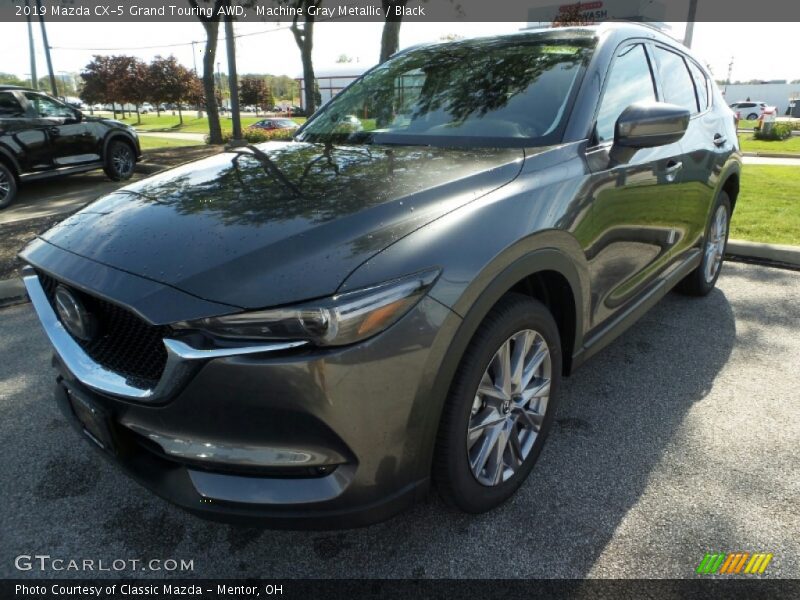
(496, 91)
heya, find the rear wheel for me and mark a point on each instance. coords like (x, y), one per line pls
(752, 117)
(703, 279)
(8, 186)
(120, 160)
(500, 407)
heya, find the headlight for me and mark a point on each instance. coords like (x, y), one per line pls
(336, 321)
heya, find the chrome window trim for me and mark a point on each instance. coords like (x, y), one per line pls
(181, 357)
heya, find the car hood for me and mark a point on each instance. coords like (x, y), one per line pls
(289, 227)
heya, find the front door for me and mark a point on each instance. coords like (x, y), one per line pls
(632, 219)
(70, 139)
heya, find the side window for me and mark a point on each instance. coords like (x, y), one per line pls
(675, 80)
(10, 106)
(47, 107)
(700, 84)
(629, 81)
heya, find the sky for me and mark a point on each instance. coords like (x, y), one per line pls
(759, 50)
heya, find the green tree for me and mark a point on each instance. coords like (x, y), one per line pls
(97, 77)
(10, 79)
(129, 81)
(253, 91)
(169, 81)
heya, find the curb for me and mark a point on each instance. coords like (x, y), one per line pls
(775, 255)
(772, 155)
(12, 291)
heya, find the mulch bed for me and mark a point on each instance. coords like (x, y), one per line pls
(14, 237)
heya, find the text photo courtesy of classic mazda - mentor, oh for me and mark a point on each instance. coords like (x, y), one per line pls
(313, 333)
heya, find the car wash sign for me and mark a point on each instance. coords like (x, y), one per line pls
(583, 13)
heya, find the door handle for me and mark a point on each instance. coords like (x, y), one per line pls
(719, 140)
(673, 167)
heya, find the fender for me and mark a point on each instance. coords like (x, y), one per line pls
(115, 133)
(543, 259)
(733, 166)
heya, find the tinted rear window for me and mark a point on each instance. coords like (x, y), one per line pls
(700, 84)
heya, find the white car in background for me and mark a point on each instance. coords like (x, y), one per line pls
(749, 110)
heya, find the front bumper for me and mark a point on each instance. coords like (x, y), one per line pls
(302, 437)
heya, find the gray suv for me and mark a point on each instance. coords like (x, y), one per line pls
(310, 333)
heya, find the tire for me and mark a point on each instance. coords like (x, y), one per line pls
(8, 186)
(457, 472)
(752, 117)
(703, 279)
(120, 160)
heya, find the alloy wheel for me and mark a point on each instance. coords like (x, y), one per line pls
(5, 186)
(509, 408)
(122, 159)
(715, 244)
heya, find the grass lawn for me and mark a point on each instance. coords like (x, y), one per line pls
(788, 146)
(151, 143)
(768, 208)
(191, 124)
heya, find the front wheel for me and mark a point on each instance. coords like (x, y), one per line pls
(752, 117)
(8, 186)
(500, 406)
(703, 279)
(120, 161)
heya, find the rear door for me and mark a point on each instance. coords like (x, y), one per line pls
(706, 145)
(632, 215)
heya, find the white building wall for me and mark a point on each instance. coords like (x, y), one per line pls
(774, 94)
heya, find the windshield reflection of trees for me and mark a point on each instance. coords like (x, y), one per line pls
(455, 84)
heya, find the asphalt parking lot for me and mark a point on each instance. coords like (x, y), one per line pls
(679, 439)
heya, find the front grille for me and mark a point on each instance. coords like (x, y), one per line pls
(125, 343)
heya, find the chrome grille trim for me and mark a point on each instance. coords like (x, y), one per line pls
(181, 357)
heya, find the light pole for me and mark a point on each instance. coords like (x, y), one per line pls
(34, 78)
(194, 57)
(53, 87)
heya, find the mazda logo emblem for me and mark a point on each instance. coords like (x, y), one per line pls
(76, 320)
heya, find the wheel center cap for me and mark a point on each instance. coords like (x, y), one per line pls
(506, 406)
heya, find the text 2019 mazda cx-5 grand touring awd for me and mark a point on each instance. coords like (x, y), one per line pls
(310, 333)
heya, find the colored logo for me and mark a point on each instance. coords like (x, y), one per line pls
(735, 563)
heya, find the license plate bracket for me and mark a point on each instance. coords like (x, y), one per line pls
(94, 421)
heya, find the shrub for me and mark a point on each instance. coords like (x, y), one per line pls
(778, 131)
(257, 136)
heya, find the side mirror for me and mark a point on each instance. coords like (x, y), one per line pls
(78, 116)
(649, 124)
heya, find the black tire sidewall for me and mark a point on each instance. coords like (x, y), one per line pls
(512, 314)
(722, 200)
(109, 168)
(695, 283)
(12, 191)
